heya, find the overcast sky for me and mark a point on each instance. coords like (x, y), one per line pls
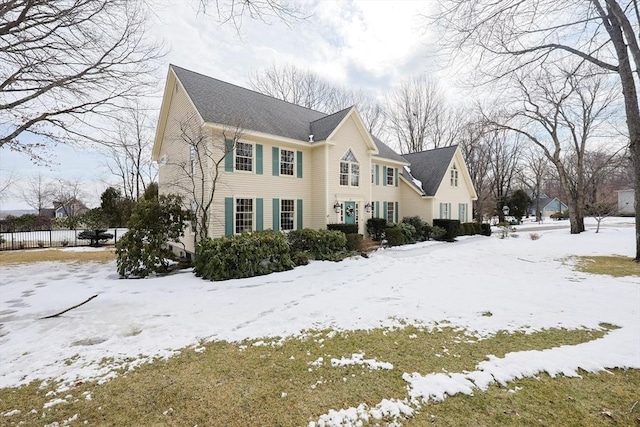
(369, 45)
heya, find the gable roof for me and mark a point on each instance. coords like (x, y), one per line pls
(430, 166)
(223, 103)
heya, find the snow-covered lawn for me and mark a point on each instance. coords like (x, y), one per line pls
(525, 284)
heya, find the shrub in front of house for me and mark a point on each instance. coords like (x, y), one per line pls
(345, 228)
(245, 255)
(452, 226)
(422, 228)
(354, 242)
(395, 236)
(327, 245)
(485, 229)
(470, 229)
(438, 233)
(409, 232)
(376, 227)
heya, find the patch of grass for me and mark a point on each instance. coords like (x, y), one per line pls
(31, 256)
(275, 383)
(616, 266)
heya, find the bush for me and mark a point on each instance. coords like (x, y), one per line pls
(245, 255)
(485, 229)
(376, 227)
(451, 226)
(328, 245)
(470, 229)
(345, 228)
(143, 249)
(395, 236)
(438, 233)
(560, 215)
(409, 232)
(423, 230)
(96, 236)
(354, 242)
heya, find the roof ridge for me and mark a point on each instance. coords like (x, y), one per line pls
(332, 114)
(249, 90)
(431, 149)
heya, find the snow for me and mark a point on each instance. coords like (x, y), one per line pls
(358, 359)
(525, 284)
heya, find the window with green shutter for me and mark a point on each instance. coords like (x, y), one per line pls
(299, 165)
(299, 214)
(259, 159)
(275, 161)
(259, 214)
(276, 214)
(228, 155)
(228, 216)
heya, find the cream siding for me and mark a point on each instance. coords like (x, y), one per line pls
(447, 193)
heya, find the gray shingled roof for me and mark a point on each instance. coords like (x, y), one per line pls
(228, 104)
(430, 166)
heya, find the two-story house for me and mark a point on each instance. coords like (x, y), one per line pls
(291, 167)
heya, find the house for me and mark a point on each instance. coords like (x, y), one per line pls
(293, 167)
(68, 208)
(547, 206)
(626, 202)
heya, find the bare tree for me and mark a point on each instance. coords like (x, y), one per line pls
(513, 34)
(560, 112)
(199, 173)
(504, 163)
(65, 64)
(6, 183)
(412, 107)
(476, 152)
(308, 89)
(37, 193)
(129, 151)
(234, 11)
(535, 169)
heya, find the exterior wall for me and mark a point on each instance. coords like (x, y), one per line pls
(348, 138)
(452, 195)
(413, 204)
(626, 202)
(317, 168)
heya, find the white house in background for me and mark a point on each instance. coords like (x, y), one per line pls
(625, 201)
(293, 167)
(547, 206)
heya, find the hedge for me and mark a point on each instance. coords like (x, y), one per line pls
(452, 227)
(246, 255)
(345, 228)
(329, 245)
(486, 229)
(395, 236)
(423, 230)
(376, 227)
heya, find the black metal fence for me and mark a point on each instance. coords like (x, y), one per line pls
(50, 239)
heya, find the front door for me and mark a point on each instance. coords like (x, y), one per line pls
(349, 212)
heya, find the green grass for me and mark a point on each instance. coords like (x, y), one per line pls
(243, 384)
(616, 266)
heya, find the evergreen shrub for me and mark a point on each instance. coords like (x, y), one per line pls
(485, 229)
(345, 228)
(409, 232)
(354, 242)
(452, 227)
(327, 245)
(438, 233)
(395, 236)
(422, 228)
(245, 255)
(376, 227)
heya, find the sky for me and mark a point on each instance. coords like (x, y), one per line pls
(368, 45)
(133, 321)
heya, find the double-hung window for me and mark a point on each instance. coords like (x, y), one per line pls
(390, 176)
(287, 211)
(244, 156)
(390, 212)
(349, 170)
(454, 176)
(287, 162)
(244, 215)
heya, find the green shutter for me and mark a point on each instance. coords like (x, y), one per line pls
(228, 155)
(299, 165)
(460, 213)
(384, 210)
(299, 213)
(384, 178)
(275, 161)
(395, 174)
(259, 159)
(441, 210)
(377, 174)
(449, 211)
(259, 214)
(228, 216)
(395, 211)
(377, 209)
(276, 214)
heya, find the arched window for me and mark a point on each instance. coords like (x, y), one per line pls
(349, 170)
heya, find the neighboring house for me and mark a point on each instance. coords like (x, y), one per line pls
(547, 206)
(294, 167)
(73, 207)
(626, 202)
